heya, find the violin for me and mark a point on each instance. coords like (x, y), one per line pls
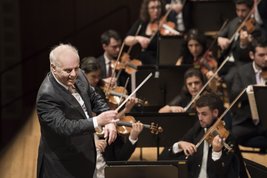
(129, 65)
(206, 63)
(125, 124)
(115, 100)
(164, 27)
(249, 25)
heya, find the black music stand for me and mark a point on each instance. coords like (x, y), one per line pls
(174, 125)
(260, 93)
(169, 49)
(162, 87)
(146, 169)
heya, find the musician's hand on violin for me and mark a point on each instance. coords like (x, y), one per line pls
(130, 104)
(143, 41)
(244, 39)
(217, 144)
(187, 147)
(223, 42)
(101, 145)
(110, 81)
(136, 130)
(177, 7)
(110, 132)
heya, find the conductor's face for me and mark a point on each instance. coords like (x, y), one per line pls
(206, 116)
(66, 68)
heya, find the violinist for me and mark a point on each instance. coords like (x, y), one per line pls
(122, 148)
(209, 159)
(111, 44)
(150, 13)
(244, 127)
(193, 82)
(236, 44)
(195, 45)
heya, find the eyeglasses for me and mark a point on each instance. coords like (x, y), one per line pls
(154, 8)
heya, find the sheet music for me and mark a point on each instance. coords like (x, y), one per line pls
(253, 105)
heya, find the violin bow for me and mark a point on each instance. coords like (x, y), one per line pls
(137, 88)
(210, 79)
(116, 63)
(136, 33)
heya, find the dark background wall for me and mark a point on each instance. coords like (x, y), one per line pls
(29, 29)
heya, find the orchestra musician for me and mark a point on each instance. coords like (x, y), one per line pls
(194, 49)
(111, 43)
(244, 128)
(122, 148)
(193, 82)
(236, 44)
(150, 13)
(209, 159)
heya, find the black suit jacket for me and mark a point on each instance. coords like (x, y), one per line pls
(67, 147)
(102, 63)
(226, 167)
(244, 76)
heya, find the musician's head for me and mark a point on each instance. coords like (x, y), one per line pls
(92, 70)
(151, 10)
(194, 81)
(258, 53)
(111, 43)
(209, 107)
(195, 43)
(243, 7)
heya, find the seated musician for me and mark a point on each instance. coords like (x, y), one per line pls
(244, 128)
(195, 52)
(144, 31)
(111, 44)
(193, 82)
(122, 148)
(236, 44)
(207, 159)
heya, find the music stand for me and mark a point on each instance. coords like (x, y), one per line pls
(174, 125)
(169, 49)
(162, 87)
(260, 93)
(146, 169)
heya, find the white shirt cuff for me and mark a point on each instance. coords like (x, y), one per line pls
(132, 141)
(175, 148)
(97, 128)
(216, 155)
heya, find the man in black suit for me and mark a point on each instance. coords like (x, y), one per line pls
(65, 103)
(209, 159)
(244, 128)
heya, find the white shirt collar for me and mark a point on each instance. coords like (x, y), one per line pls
(256, 69)
(107, 60)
